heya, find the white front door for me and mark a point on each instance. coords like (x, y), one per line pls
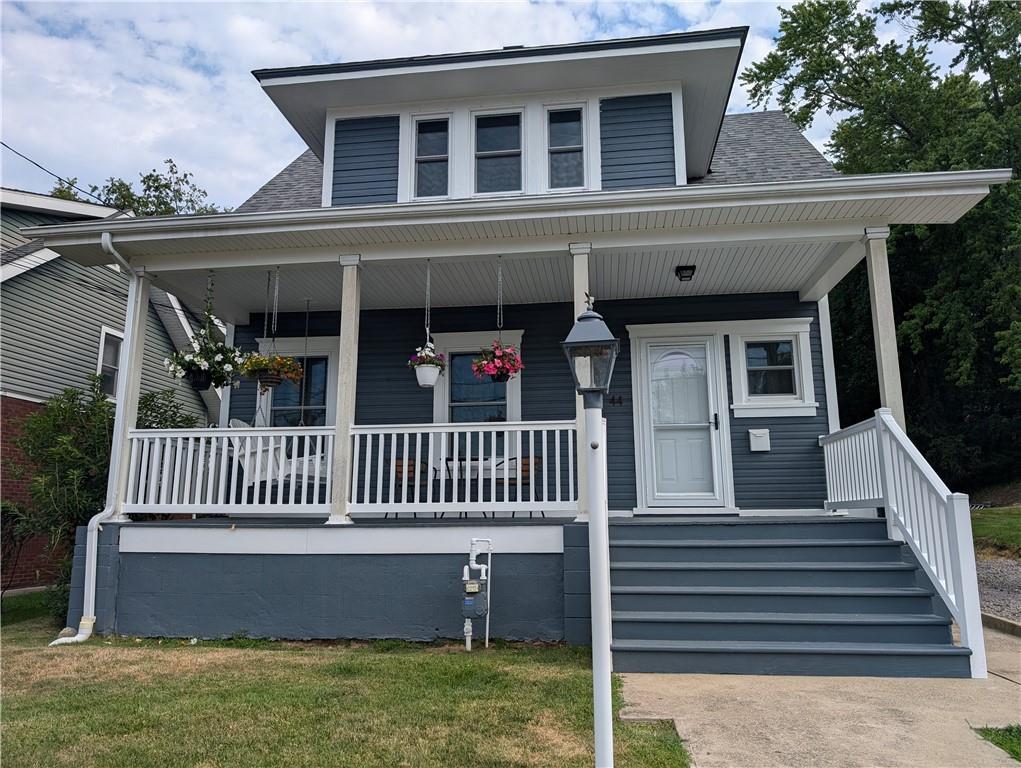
(680, 429)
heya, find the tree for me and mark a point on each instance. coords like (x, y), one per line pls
(168, 193)
(66, 446)
(957, 289)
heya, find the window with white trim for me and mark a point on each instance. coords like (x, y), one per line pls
(312, 401)
(771, 369)
(459, 397)
(432, 157)
(498, 144)
(566, 147)
(109, 360)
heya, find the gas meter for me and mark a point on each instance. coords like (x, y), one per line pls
(474, 604)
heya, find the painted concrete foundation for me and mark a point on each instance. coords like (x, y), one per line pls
(304, 596)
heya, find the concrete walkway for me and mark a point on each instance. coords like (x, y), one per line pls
(830, 722)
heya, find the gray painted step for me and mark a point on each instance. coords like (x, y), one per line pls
(748, 528)
(755, 550)
(791, 658)
(850, 574)
(789, 627)
(775, 599)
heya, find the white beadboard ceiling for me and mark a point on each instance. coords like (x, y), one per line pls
(615, 273)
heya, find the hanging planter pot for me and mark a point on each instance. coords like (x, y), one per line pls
(499, 363)
(200, 380)
(499, 378)
(270, 370)
(268, 380)
(427, 375)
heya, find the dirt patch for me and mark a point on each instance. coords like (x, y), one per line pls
(547, 742)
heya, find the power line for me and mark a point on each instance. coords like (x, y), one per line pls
(56, 176)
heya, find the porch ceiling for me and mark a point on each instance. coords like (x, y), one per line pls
(614, 273)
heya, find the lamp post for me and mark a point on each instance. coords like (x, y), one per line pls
(592, 351)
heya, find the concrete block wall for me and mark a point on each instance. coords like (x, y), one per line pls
(577, 599)
(107, 578)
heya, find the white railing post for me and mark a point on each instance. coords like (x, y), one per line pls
(886, 475)
(965, 581)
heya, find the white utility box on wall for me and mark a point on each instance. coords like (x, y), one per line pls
(758, 439)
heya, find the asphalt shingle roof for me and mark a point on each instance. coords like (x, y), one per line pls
(753, 147)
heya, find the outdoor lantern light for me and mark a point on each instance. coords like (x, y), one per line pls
(591, 351)
(685, 273)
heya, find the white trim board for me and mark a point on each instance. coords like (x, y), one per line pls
(341, 540)
(27, 262)
(829, 367)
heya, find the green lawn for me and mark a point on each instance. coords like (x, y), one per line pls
(241, 703)
(997, 530)
(1008, 739)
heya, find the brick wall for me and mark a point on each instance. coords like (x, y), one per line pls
(33, 566)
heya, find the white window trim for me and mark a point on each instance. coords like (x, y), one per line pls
(802, 403)
(294, 346)
(640, 336)
(585, 146)
(105, 331)
(411, 152)
(473, 341)
(526, 156)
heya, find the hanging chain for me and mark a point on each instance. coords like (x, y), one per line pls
(499, 297)
(265, 310)
(304, 368)
(276, 302)
(428, 298)
(208, 314)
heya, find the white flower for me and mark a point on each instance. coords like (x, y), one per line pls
(189, 357)
(218, 357)
(203, 365)
(180, 373)
(228, 367)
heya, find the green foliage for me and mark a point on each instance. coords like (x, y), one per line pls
(1008, 739)
(161, 410)
(166, 193)
(957, 289)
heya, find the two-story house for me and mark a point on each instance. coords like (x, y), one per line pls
(481, 196)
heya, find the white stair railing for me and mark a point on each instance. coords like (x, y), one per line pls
(463, 468)
(272, 470)
(874, 464)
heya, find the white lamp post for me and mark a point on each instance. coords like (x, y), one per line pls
(592, 350)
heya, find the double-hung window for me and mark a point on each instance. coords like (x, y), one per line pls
(498, 153)
(473, 399)
(566, 149)
(109, 361)
(432, 158)
(771, 367)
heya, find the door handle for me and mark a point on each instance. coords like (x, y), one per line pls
(716, 420)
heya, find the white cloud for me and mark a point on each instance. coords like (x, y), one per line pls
(99, 90)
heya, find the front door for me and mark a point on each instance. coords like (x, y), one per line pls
(681, 413)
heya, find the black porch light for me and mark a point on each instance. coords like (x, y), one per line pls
(591, 351)
(685, 273)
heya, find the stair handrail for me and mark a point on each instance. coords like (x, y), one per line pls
(920, 511)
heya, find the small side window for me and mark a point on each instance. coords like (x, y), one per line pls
(109, 361)
(770, 367)
(566, 149)
(432, 158)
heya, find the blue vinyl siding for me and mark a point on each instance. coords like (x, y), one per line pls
(365, 159)
(637, 141)
(789, 476)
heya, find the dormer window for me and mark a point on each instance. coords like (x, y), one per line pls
(566, 149)
(498, 153)
(432, 158)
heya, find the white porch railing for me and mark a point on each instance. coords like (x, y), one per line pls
(268, 471)
(875, 464)
(526, 466)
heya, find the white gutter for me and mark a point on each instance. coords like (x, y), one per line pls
(88, 620)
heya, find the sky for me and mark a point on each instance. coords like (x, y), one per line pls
(93, 90)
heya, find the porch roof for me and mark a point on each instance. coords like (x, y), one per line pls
(799, 236)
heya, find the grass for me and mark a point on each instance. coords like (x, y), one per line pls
(125, 702)
(1008, 739)
(997, 530)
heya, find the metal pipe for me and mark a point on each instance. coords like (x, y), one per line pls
(599, 583)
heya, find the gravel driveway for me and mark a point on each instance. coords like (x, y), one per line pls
(999, 585)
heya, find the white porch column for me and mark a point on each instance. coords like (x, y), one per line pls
(347, 377)
(580, 258)
(884, 330)
(129, 384)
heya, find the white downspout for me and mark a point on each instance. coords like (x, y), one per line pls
(88, 620)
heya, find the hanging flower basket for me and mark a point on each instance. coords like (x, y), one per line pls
(270, 370)
(199, 379)
(500, 363)
(427, 364)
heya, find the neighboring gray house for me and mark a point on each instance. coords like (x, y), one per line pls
(749, 532)
(62, 321)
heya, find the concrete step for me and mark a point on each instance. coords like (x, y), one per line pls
(777, 599)
(791, 658)
(821, 574)
(754, 550)
(747, 528)
(782, 627)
